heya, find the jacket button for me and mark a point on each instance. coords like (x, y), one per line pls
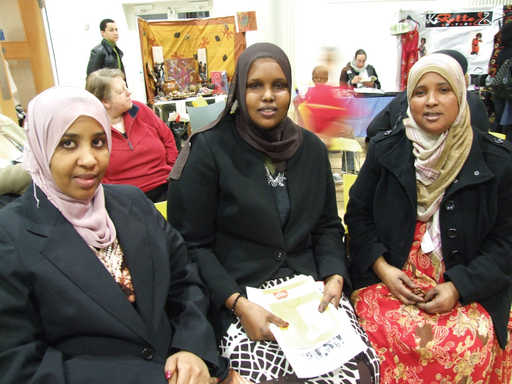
(450, 205)
(452, 233)
(455, 181)
(476, 173)
(388, 132)
(147, 353)
(455, 253)
(280, 255)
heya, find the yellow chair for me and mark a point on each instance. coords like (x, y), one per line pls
(348, 181)
(337, 144)
(162, 208)
(346, 145)
(499, 135)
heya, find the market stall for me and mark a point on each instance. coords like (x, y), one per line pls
(184, 58)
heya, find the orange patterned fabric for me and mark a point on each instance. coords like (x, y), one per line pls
(416, 347)
(182, 39)
(113, 260)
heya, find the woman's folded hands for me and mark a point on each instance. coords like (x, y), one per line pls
(440, 299)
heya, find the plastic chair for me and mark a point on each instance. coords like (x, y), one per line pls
(348, 181)
(349, 148)
(351, 152)
(202, 116)
(162, 208)
(499, 135)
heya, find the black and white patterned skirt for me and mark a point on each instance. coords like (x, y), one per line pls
(264, 362)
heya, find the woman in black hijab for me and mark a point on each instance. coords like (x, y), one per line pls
(253, 196)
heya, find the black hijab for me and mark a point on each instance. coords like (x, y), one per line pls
(278, 143)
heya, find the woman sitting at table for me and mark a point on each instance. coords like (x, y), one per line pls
(357, 73)
(143, 147)
(95, 286)
(430, 223)
(254, 198)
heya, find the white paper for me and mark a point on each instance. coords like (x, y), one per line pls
(368, 90)
(427, 245)
(158, 54)
(314, 343)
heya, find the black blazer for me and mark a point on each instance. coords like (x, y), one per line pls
(64, 319)
(475, 219)
(227, 214)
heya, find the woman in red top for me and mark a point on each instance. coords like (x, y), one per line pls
(143, 147)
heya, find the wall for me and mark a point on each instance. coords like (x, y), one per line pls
(349, 25)
(301, 27)
(21, 70)
(74, 30)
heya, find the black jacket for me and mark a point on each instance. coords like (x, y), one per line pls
(397, 110)
(63, 317)
(348, 73)
(227, 213)
(475, 219)
(103, 56)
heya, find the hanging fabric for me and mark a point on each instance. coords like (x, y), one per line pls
(409, 54)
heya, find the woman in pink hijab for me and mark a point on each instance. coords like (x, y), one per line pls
(95, 286)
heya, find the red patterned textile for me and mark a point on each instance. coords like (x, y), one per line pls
(416, 347)
(497, 45)
(409, 55)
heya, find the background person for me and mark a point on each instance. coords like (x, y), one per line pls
(14, 180)
(106, 54)
(502, 101)
(95, 286)
(143, 147)
(260, 207)
(396, 110)
(320, 75)
(357, 73)
(430, 223)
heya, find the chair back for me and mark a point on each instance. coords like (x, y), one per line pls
(202, 116)
(348, 180)
(498, 135)
(162, 208)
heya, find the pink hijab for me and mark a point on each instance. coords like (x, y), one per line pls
(49, 116)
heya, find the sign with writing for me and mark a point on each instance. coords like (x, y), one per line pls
(458, 19)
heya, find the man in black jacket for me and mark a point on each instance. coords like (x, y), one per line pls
(397, 108)
(106, 54)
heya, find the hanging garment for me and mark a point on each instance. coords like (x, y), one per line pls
(409, 55)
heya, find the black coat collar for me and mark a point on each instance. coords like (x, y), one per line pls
(392, 151)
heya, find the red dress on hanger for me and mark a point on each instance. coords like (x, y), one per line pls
(409, 54)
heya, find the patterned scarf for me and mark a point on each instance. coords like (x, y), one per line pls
(438, 158)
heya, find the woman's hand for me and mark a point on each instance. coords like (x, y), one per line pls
(356, 79)
(332, 292)
(369, 84)
(440, 299)
(186, 368)
(256, 320)
(397, 281)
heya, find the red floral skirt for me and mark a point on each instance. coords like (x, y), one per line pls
(415, 347)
